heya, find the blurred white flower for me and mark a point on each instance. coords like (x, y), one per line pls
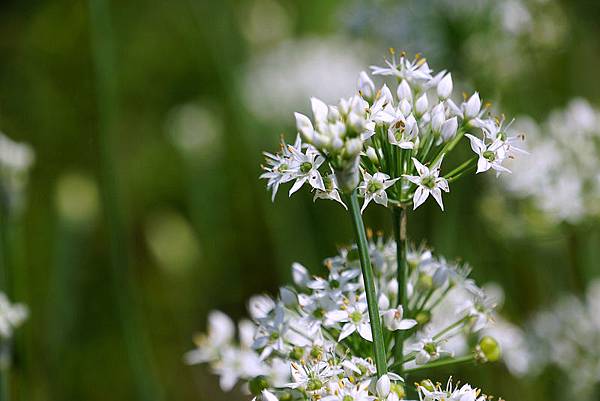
(15, 161)
(280, 79)
(561, 176)
(11, 316)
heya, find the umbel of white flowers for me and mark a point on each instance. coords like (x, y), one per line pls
(390, 141)
(312, 342)
(11, 316)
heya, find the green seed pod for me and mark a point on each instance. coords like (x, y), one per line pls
(490, 348)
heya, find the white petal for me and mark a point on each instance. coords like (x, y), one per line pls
(406, 324)
(381, 198)
(364, 329)
(476, 144)
(420, 196)
(348, 329)
(437, 195)
(483, 165)
(297, 185)
(421, 169)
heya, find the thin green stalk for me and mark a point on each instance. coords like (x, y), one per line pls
(442, 362)
(5, 345)
(450, 327)
(103, 54)
(367, 272)
(400, 221)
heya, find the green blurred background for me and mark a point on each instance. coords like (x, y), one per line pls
(190, 117)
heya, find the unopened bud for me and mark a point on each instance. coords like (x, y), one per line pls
(258, 384)
(490, 348)
(473, 106)
(383, 386)
(366, 87)
(444, 87)
(404, 91)
(422, 104)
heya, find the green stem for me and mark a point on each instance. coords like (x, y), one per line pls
(442, 362)
(103, 54)
(400, 221)
(367, 272)
(461, 168)
(452, 326)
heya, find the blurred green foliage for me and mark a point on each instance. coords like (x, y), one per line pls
(201, 230)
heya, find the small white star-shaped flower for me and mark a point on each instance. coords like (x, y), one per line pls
(490, 156)
(428, 182)
(373, 188)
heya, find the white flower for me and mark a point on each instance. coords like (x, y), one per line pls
(331, 190)
(11, 316)
(344, 391)
(403, 131)
(373, 188)
(221, 331)
(393, 320)
(280, 168)
(490, 156)
(428, 350)
(428, 182)
(306, 168)
(355, 318)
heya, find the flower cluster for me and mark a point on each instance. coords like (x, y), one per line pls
(11, 316)
(314, 340)
(430, 392)
(390, 141)
(568, 336)
(15, 161)
(564, 182)
(496, 29)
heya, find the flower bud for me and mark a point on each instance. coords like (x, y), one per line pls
(423, 317)
(386, 94)
(288, 297)
(305, 127)
(372, 155)
(333, 115)
(366, 87)
(437, 118)
(473, 106)
(405, 107)
(398, 389)
(404, 91)
(383, 386)
(427, 384)
(422, 104)
(353, 147)
(449, 128)
(356, 123)
(319, 109)
(424, 282)
(444, 87)
(490, 348)
(258, 384)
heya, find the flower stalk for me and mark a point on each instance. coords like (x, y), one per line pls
(400, 221)
(367, 272)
